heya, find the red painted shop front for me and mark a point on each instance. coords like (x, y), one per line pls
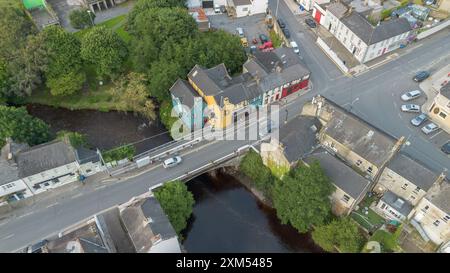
(294, 88)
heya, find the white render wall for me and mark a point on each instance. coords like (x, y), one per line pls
(388, 45)
(259, 6)
(14, 187)
(65, 171)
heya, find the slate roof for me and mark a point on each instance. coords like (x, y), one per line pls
(442, 198)
(372, 35)
(337, 9)
(362, 138)
(400, 205)
(111, 225)
(159, 222)
(341, 175)
(200, 78)
(8, 167)
(135, 224)
(85, 155)
(445, 90)
(44, 157)
(242, 2)
(298, 137)
(182, 90)
(413, 171)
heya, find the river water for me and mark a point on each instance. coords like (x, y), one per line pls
(229, 218)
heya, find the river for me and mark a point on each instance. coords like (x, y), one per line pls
(229, 218)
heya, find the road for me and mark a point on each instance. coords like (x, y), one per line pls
(374, 96)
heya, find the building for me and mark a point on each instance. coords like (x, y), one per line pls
(351, 187)
(354, 31)
(431, 217)
(99, 5)
(32, 170)
(309, 4)
(439, 111)
(200, 17)
(138, 226)
(188, 104)
(241, 8)
(393, 207)
(358, 143)
(407, 178)
(266, 77)
(41, 12)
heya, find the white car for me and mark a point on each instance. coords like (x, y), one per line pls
(411, 95)
(295, 47)
(414, 108)
(171, 162)
(217, 9)
(429, 128)
(240, 32)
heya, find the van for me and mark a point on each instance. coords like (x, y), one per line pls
(217, 9)
(295, 47)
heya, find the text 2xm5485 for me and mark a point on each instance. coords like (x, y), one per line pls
(246, 262)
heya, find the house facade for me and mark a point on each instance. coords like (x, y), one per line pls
(308, 5)
(439, 111)
(241, 8)
(353, 30)
(393, 207)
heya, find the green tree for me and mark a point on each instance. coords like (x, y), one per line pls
(302, 197)
(253, 166)
(81, 18)
(20, 126)
(152, 28)
(144, 5)
(162, 76)
(177, 202)
(75, 139)
(165, 115)
(66, 84)
(103, 48)
(342, 233)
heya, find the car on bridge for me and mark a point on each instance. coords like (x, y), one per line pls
(411, 108)
(411, 95)
(421, 75)
(172, 162)
(429, 128)
(417, 121)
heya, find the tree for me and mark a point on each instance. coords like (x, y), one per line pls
(75, 139)
(133, 93)
(20, 126)
(165, 115)
(64, 71)
(302, 197)
(81, 18)
(152, 28)
(162, 76)
(177, 202)
(342, 233)
(253, 166)
(104, 49)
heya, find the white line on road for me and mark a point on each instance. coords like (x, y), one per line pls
(436, 134)
(25, 214)
(54, 204)
(7, 237)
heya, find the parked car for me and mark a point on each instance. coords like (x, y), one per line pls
(240, 32)
(420, 76)
(430, 2)
(171, 162)
(429, 128)
(417, 121)
(446, 148)
(413, 108)
(281, 23)
(310, 22)
(217, 9)
(411, 95)
(263, 38)
(295, 47)
(252, 49)
(244, 42)
(223, 9)
(286, 32)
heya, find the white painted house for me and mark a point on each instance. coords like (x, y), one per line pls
(365, 41)
(308, 5)
(248, 7)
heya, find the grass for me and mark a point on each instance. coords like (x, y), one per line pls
(277, 170)
(387, 240)
(117, 24)
(275, 38)
(10, 3)
(372, 219)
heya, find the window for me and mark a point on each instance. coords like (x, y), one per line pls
(369, 170)
(412, 197)
(383, 206)
(36, 186)
(443, 115)
(404, 186)
(55, 180)
(346, 198)
(244, 9)
(417, 190)
(436, 223)
(446, 218)
(88, 170)
(8, 186)
(358, 162)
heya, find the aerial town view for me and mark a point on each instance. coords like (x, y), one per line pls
(225, 126)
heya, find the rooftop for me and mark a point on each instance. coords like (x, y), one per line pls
(445, 90)
(441, 198)
(342, 175)
(413, 171)
(397, 203)
(242, 2)
(44, 157)
(182, 90)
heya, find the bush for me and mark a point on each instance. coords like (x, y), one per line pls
(75, 139)
(119, 153)
(81, 18)
(253, 167)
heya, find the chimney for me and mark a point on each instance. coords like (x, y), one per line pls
(278, 68)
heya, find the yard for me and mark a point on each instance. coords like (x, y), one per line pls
(117, 24)
(370, 220)
(387, 240)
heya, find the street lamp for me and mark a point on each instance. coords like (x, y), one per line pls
(90, 17)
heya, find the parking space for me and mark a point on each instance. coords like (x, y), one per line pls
(252, 25)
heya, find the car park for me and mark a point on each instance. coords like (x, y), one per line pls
(430, 128)
(171, 162)
(263, 38)
(411, 95)
(310, 22)
(446, 148)
(295, 47)
(417, 121)
(286, 32)
(240, 32)
(413, 108)
(420, 76)
(281, 23)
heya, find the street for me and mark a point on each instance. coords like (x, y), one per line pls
(373, 96)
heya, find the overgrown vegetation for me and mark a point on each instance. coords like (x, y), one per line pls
(75, 139)
(177, 202)
(253, 167)
(275, 38)
(387, 240)
(81, 18)
(119, 153)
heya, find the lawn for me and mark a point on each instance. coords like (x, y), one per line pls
(370, 220)
(117, 24)
(387, 240)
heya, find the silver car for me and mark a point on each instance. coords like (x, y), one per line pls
(171, 162)
(411, 95)
(414, 108)
(430, 128)
(417, 121)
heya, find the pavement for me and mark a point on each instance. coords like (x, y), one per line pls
(373, 95)
(252, 25)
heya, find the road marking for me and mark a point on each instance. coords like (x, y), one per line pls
(436, 134)
(76, 195)
(25, 214)
(7, 237)
(54, 204)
